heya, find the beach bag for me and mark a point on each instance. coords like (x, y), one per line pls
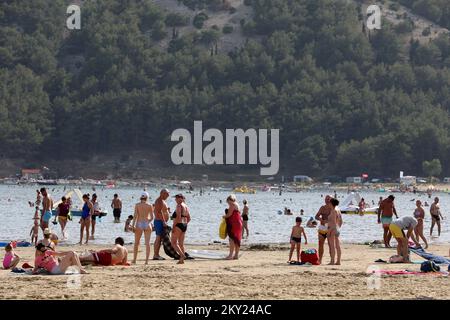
(310, 256)
(429, 266)
(223, 229)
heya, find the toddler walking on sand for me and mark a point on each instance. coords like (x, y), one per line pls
(296, 238)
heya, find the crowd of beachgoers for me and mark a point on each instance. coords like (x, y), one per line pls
(407, 230)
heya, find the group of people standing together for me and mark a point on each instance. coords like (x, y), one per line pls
(148, 217)
(413, 225)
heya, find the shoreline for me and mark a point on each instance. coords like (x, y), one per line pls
(258, 274)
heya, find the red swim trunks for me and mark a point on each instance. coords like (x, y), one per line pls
(103, 258)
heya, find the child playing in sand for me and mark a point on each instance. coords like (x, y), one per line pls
(11, 259)
(296, 238)
(34, 233)
(128, 226)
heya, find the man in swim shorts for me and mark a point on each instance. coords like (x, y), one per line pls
(47, 205)
(385, 212)
(161, 217)
(396, 228)
(436, 216)
(116, 204)
(322, 216)
(118, 255)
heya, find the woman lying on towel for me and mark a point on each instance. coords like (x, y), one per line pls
(109, 257)
(48, 259)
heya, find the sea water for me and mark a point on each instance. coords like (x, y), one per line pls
(265, 223)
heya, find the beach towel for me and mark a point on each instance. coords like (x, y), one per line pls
(408, 272)
(384, 261)
(234, 227)
(303, 264)
(167, 245)
(429, 256)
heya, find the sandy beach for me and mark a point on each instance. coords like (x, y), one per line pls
(260, 273)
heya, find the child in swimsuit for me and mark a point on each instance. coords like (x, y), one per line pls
(34, 233)
(296, 238)
(11, 259)
(128, 227)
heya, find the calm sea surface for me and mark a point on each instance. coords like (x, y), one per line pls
(266, 225)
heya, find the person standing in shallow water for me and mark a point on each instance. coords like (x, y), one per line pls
(63, 215)
(85, 220)
(95, 215)
(47, 206)
(419, 214)
(116, 205)
(436, 216)
(385, 214)
(245, 218)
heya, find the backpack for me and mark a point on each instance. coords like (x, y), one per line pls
(310, 256)
(429, 266)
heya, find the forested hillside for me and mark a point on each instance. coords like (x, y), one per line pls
(346, 101)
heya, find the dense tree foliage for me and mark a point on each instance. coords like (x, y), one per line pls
(345, 102)
(437, 11)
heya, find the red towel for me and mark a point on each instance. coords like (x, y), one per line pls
(234, 227)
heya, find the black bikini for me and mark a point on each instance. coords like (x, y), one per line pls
(181, 226)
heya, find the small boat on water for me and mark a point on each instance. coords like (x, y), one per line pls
(244, 189)
(350, 205)
(47, 182)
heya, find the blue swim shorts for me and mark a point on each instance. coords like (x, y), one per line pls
(159, 227)
(47, 216)
(386, 220)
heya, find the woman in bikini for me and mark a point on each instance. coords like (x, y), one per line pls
(234, 227)
(334, 231)
(143, 215)
(419, 214)
(95, 214)
(180, 223)
(85, 220)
